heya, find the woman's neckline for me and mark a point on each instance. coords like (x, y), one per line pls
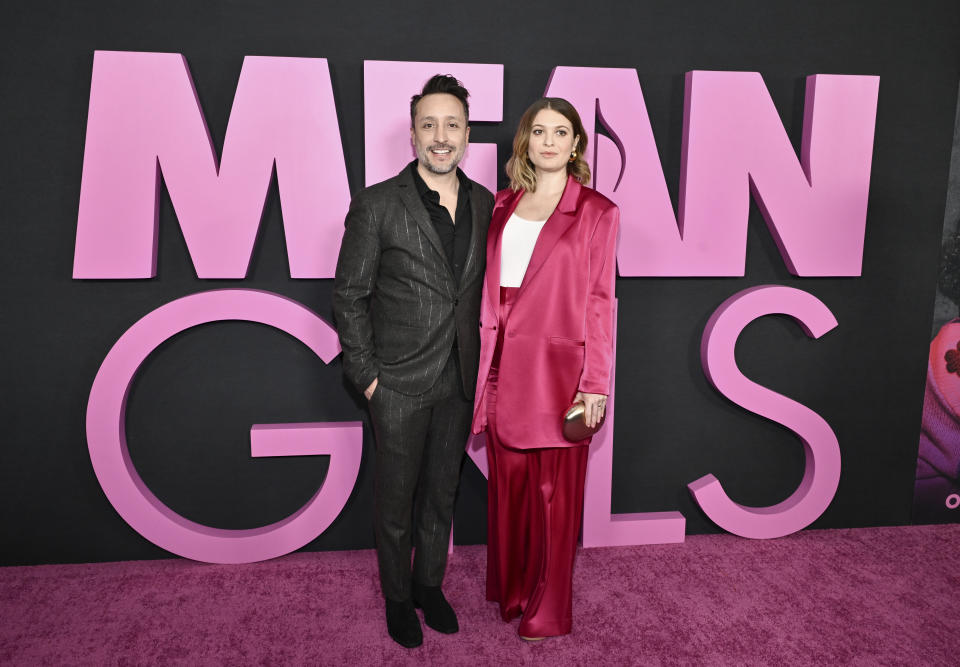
(537, 222)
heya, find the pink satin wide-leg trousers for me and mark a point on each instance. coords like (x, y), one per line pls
(534, 511)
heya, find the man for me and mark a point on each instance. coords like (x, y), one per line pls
(407, 305)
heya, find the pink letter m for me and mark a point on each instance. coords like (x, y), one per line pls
(145, 119)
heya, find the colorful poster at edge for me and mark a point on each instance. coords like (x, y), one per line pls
(936, 496)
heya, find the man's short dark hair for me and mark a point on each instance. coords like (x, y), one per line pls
(441, 83)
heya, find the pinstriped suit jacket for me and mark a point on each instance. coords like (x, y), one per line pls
(397, 305)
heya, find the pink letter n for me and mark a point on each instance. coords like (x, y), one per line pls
(145, 119)
(734, 145)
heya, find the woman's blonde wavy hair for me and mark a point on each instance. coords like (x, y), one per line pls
(520, 169)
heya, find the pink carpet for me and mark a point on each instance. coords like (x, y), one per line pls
(874, 596)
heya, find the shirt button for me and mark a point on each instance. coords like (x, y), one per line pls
(512, 334)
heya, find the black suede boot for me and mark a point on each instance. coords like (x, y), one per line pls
(437, 612)
(403, 624)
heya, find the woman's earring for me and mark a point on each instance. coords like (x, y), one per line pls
(573, 156)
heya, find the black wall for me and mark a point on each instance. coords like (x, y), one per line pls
(193, 403)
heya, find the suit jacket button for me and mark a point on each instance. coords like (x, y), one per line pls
(456, 302)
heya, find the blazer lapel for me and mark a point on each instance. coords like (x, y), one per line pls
(474, 249)
(501, 213)
(411, 201)
(563, 216)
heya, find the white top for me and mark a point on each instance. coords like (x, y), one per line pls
(519, 238)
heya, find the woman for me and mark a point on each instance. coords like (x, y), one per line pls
(546, 341)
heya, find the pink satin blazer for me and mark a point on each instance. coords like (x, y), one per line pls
(559, 337)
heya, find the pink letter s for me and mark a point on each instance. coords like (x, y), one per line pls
(822, 473)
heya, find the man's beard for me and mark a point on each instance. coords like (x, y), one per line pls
(423, 156)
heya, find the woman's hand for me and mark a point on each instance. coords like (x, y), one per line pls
(595, 404)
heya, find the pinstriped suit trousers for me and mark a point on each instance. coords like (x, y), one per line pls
(421, 442)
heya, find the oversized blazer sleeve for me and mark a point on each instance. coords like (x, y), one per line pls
(354, 283)
(599, 323)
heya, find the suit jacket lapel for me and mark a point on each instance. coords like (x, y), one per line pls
(563, 216)
(474, 249)
(501, 213)
(413, 204)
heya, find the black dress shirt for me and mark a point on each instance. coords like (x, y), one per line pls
(454, 235)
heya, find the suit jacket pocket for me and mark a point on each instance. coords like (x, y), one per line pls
(560, 340)
(561, 368)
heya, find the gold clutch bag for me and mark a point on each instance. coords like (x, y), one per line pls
(575, 426)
